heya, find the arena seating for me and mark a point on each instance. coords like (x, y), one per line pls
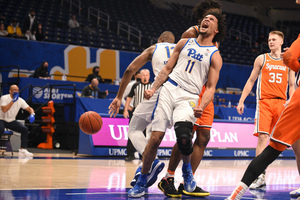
(140, 14)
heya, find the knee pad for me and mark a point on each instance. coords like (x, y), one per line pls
(184, 133)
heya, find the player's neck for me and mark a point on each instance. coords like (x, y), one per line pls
(205, 41)
(276, 54)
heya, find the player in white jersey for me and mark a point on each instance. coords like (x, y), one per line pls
(197, 61)
(159, 55)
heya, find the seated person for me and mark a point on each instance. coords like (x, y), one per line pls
(95, 74)
(14, 30)
(42, 71)
(10, 106)
(93, 91)
(3, 32)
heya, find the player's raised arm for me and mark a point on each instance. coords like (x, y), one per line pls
(163, 74)
(134, 66)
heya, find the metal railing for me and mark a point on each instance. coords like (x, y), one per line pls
(130, 31)
(240, 36)
(100, 16)
(73, 3)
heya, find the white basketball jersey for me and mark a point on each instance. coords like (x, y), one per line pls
(191, 70)
(161, 56)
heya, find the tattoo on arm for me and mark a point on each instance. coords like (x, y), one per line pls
(160, 79)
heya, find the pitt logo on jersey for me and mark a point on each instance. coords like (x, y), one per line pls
(193, 54)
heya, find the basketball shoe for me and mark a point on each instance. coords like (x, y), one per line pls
(156, 167)
(198, 192)
(168, 188)
(189, 181)
(136, 175)
(259, 183)
(139, 188)
(295, 193)
(238, 192)
(25, 153)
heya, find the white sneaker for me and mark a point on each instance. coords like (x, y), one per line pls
(259, 183)
(295, 193)
(24, 152)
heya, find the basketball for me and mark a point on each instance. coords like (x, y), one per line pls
(90, 122)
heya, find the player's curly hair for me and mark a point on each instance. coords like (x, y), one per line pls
(201, 9)
(220, 36)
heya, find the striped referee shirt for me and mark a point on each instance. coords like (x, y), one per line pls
(137, 92)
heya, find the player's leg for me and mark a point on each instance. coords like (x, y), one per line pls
(148, 157)
(162, 118)
(263, 123)
(296, 148)
(255, 168)
(285, 133)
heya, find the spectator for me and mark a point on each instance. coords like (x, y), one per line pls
(30, 26)
(10, 106)
(14, 30)
(93, 91)
(3, 32)
(95, 74)
(42, 71)
(40, 33)
(73, 23)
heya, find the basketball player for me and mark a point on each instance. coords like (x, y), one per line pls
(286, 131)
(159, 55)
(273, 80)
(202, 125)
(197, 61)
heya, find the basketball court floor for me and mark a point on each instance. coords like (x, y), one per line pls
(62, 175)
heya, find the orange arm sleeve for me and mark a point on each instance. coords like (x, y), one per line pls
(290, 57)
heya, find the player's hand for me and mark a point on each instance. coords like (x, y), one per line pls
(148, 94)
(125, 114)
(15, 96)
(240, 108)
(31, 118)
(284, 50)
(114, 107)
(198, 112)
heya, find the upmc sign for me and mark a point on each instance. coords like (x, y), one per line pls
(114, 132)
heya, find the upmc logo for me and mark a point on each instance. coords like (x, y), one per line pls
(114, 132)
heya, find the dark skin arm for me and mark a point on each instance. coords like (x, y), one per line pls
(134, 66)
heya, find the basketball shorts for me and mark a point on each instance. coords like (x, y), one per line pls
(145, 109)
(287, 130)
(174, 104)
(267, 114)
(207, 118)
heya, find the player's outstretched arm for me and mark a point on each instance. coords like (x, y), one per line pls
(250, 82)
(133, 67)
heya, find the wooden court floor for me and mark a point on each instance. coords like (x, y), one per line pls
(66, 176)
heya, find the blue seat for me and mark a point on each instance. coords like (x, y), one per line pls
(5, 143)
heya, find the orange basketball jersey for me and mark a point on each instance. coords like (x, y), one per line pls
(273, 79)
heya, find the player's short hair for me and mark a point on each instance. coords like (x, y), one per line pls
(279, 33)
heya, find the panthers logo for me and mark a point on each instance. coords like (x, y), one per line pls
(192, 104)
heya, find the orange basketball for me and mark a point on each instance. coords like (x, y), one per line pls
(90, 122)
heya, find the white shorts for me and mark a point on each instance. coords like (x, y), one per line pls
(174, 104)
(145, 109)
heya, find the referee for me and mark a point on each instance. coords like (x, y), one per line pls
(137, 94)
